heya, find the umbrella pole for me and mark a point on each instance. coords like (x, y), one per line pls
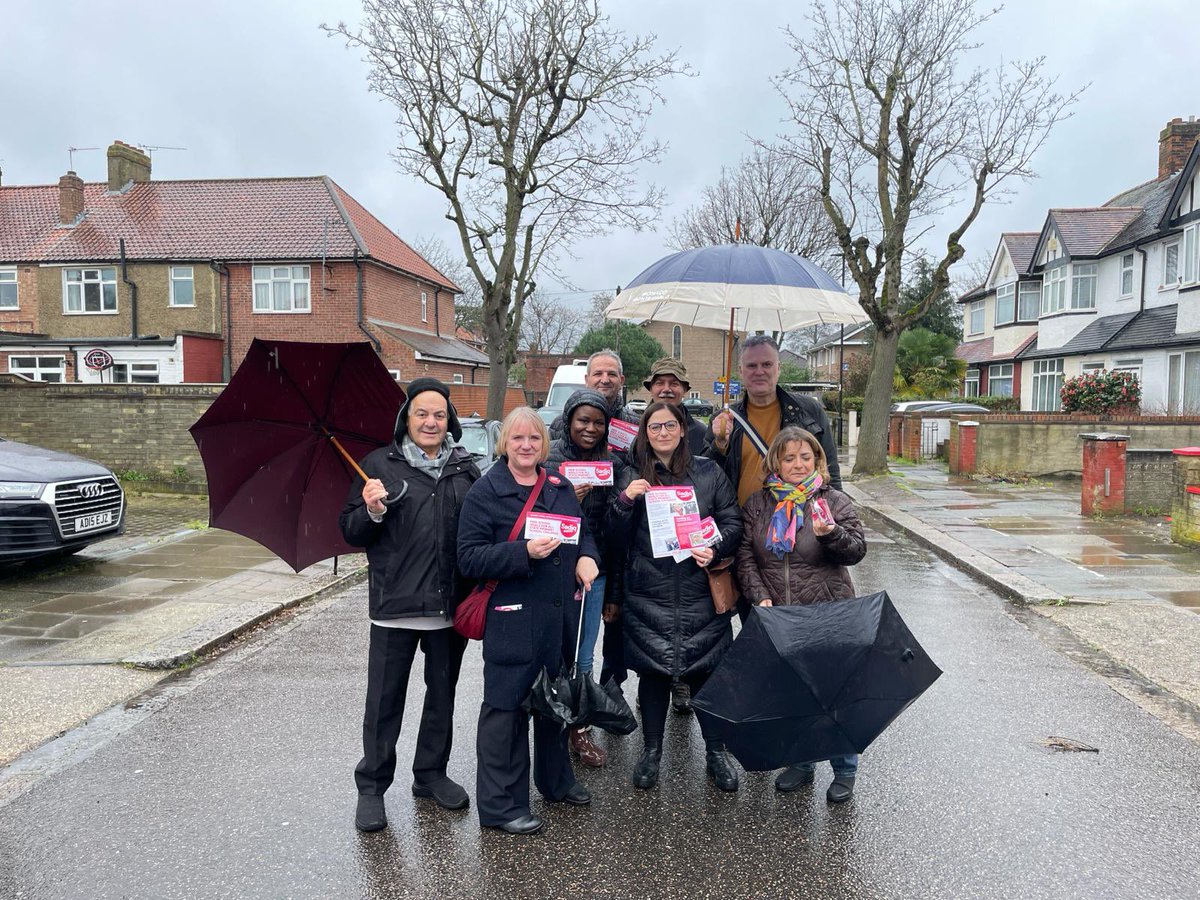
(579, 632)
(350, 459)
(729, 359)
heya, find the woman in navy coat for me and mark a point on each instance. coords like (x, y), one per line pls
(531, 623)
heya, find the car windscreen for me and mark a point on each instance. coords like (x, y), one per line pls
(475, 440)
(560, 394)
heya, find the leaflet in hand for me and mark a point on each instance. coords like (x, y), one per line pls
(621, 434)
(563, 528)
(580, 473)
(693, 532)
(664, 505)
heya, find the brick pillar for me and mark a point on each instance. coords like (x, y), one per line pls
(1103, 474)
(894, 422)
(1185, 507)
(968, 435)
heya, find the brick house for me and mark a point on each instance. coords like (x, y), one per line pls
(827, 359)
(702, 350)
(174, 279)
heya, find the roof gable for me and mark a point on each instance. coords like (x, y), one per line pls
(1183, 180)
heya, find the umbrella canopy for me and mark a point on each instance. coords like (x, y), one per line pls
(574, 700)
(275, 473)
(805, 683)
(765, 290)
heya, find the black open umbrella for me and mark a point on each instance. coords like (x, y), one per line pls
(805, 683)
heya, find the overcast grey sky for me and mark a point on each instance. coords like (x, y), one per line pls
(254, 88)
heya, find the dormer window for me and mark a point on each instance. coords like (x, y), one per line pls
(1054, 290)
(1083, 286)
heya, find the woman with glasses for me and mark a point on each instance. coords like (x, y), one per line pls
(671, 627)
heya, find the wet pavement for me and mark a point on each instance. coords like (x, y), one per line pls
(235, 780)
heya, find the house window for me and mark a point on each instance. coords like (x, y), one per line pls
(1083, 286)
(1092, 367)
(134, 373)
(1127, 275)
(1170, 268)
(1054, 290)
(1030, 297)
(1190, 268)
(1000, 380)
(971, 384)
(39, 368)
(183, 289)
(1183, 383)
(1047, 383)
(282, 289)
(975, 317)
(458, 379)
(8, 288)
(1129, 365)
(87, 291)
(424, 307)
(677, 342)
(1006, 304)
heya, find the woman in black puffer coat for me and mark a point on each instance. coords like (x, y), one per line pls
(672, 629)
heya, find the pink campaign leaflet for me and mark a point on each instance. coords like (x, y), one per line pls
(564, 528)
(579, 473)
(621, 434)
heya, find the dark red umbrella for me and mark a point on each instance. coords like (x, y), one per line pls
(280, 442)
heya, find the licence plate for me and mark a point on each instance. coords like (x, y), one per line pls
(94, 521)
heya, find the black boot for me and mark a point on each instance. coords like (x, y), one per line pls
(841, 790)
(793, 778)
(719, 766)
(645, 773)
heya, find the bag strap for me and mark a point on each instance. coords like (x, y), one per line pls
(533, 495)
(751, 432)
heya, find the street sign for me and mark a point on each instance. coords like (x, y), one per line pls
(719, 387)
(98, 360)
(735, 388)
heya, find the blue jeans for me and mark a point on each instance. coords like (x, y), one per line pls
(844, 766)
(593, 607)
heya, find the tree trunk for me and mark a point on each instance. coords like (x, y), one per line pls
(495, 334)
(873, 437)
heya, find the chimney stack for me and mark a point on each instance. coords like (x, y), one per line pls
(70, 198)
(1175, 144)
(126, 164)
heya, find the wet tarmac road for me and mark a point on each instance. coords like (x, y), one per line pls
(240, 785)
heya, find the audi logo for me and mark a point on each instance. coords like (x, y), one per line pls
(91, 490)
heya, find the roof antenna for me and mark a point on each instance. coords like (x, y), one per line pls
(71, 151)
(150, 148)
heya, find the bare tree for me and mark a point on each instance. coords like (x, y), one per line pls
(468, 306)
(770, 199)
(904, 140)
(529, 117)
(549, 325)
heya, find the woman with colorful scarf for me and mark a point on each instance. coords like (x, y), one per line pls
(791, 554)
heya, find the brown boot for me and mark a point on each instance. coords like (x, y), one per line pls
(585, 748)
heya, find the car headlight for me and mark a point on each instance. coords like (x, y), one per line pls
(20, 490)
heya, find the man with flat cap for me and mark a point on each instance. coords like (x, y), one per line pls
(668, 382)
(406, 516)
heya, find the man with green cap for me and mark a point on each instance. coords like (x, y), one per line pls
(668, 382)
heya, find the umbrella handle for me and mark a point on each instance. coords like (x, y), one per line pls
(387, 501)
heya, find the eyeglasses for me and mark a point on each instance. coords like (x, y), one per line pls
(668, 427)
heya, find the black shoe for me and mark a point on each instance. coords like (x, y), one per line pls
(577, 795)
(723, 774)
(793, 778)
(841, 790)
(681, 697)
(525, 825)
(446, 793)
(370, 815)
(645, 773)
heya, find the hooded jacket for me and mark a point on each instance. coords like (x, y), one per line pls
(411, 554)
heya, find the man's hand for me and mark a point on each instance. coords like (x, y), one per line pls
(611, 613)
(722, 426)
(373, 494)
(582, 491)
(586, 571)
(637, 488)
(541, 547)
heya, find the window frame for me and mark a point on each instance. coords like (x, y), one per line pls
(1177, 246)
(172, 279)
(1178, 383)
(1189, 249)
(424, 306)
(1124, 270)
(1082, 273)
(1047, 384)
(993, 377)
(38, 369)
(969, 380)
(128, 366)
(83, 281)
(980, 307)
(1054, 290)
(1010, 292)
(677, 342)
(458, 378)
(15, 281)
(1036, 293)
(272, 280)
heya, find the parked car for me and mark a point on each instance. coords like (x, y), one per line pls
(698, 406)
(956, 409)
(914, 405)
(52, 502)
(637, 407)
(481, 438)
(568, 378)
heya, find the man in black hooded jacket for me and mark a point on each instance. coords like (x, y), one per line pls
(406, 516)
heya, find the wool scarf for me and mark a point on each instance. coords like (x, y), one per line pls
(788, 517)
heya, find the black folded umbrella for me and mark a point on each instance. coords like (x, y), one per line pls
(805, 683)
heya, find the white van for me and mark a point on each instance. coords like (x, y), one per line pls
(567, 380)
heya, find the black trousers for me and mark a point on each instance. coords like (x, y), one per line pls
(654, 695)
(388, 667)
(612, 650)
(502, 763)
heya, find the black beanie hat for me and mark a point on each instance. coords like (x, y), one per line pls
(420, 386)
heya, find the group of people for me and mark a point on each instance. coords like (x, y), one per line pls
(764, 471)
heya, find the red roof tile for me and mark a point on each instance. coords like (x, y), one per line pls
(975, 351)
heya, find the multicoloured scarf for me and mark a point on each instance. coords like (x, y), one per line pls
(789, 511)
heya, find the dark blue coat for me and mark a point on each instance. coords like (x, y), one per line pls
(517, 644)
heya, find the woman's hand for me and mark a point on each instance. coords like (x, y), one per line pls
(373, 493)
(541, 547)
(582, 491)
(637, 488)
(821, 527)
(611, 613)
(586, 571)
(703, 555)
(766, 602)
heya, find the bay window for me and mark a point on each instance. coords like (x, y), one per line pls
(1083, 286)
(1006, 304)
(1054, 290)
(1030, 296)
(1000, 380)
(1047, 385)
(975, 317)
(1127, 275)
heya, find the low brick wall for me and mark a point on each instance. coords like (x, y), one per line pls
(1149, 476)
(1048, 443)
